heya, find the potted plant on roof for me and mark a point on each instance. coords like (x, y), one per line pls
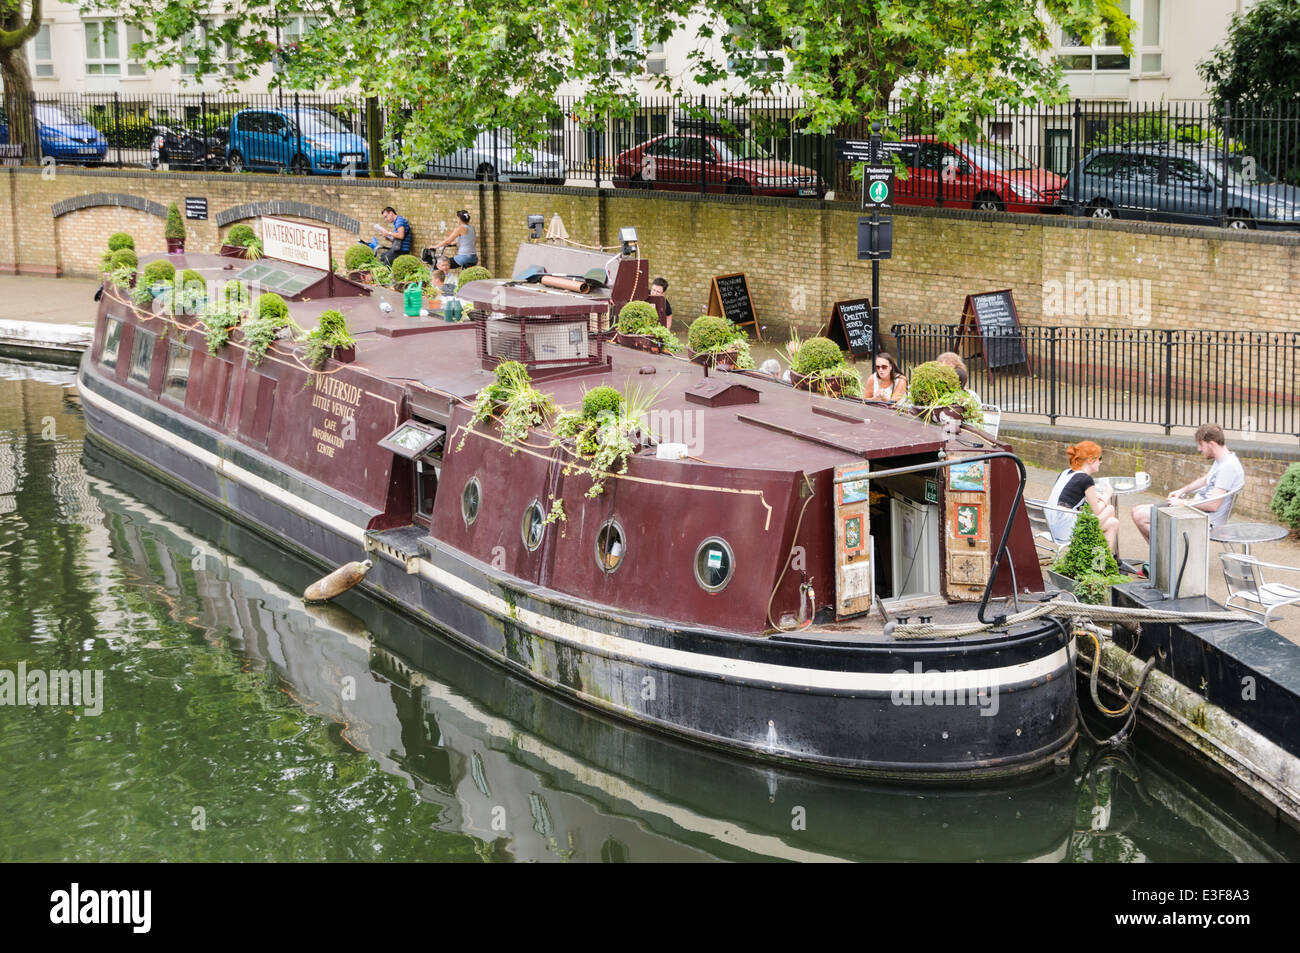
(818, 365)
(639, 327)
(408, 269)
(935, 395)
(1087, 568)
(174, 230)
(717, 342)
(331, 338)
(358, 261)
(242, 242)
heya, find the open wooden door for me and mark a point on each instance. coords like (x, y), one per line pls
(853, 550)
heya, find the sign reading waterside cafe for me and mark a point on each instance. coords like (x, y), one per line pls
(295, 242)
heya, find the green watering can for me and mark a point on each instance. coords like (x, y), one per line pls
(413, 300)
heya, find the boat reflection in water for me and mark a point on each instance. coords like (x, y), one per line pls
(534, 777)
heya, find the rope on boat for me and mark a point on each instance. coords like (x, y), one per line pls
(1058, 609)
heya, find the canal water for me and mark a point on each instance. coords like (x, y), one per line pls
(233, 723)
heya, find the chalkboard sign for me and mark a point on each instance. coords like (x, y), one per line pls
(196, 208)
(729, 298)
(851, 326)
(991, 318)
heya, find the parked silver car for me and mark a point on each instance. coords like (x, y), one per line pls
(492, 158)
(1181, 182)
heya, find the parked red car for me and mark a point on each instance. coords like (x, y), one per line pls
(983, 176)
(731, 165)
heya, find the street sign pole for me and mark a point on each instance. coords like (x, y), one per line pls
(875, 231)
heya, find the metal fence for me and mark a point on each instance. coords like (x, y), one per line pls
(1233, 164)
(1246, 381)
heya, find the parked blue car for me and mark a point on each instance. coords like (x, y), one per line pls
(64, 134)
(303, 141)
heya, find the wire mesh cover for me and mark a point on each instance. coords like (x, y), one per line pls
(533, 342)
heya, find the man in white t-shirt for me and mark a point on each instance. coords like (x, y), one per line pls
(1209, 492)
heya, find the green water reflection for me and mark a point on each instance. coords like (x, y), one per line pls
(240, 725)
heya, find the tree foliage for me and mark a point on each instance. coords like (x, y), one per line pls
(1260, 59)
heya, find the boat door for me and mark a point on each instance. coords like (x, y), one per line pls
(421, 443)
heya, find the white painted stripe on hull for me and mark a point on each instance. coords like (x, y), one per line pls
(653, 656)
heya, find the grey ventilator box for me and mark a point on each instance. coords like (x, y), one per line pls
(1180, 551)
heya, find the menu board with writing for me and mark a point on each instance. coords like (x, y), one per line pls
(851, 326)
(729, 298)
(992, 318)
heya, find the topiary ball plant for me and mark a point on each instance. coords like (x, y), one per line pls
(601, 400)
(932, 383)
(817, 354)
(271, 307)
(636, 317)
(189, 276)
(123, 258)
(242, 235)
(175, 227)
(159, 271)
(474, 273)
(708, 333)
(119, 240)
(1286, 498)
(359, 257)
(407, 268)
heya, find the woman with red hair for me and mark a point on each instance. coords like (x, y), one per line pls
(1076, 485)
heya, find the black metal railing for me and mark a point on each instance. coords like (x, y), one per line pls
(1196, 162)
(1246, 381)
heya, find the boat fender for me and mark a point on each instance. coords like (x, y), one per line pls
(337, 582)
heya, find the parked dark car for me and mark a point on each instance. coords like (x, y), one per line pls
(984, 176)
(177, 147)
(65, 134)
(1180, 182)
(681, 160)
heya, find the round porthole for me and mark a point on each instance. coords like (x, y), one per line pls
(714, 564)
(470, 500)
(610, 545)
(534, 526)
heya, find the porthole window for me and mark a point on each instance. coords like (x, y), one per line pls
(534, 525)
(610, 545)
(470, 500)
(714, 564)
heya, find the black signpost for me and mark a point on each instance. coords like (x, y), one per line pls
(875, 235)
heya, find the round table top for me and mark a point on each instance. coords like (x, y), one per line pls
(1122, 485)
(1247, 533)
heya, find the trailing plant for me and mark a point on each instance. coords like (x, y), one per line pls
(122, 276)
(1286, 498)
(259, 333)
(557, 514)
(935, 387)
(272, 307)
(473, 273)
(235, 295)
(241, 235)
(512, 399)
(1093, 589)
(119, 240)
(175, 227)
(1088, 552)
(668, 341)
(142, 293)
(408, 268)
(330, 333)
(381, 274)
(218, 335)
(358, 257)
(159, 271)
(315, 350)
(841, 378)
(609, 429)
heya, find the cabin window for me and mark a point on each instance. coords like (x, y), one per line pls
(534, 525)
(112, 340)
(714, 564)
(470, 500)
(141, 357)
(610, 545)
(426, 485)
(177, 376)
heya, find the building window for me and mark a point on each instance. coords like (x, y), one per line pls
(1076, 56)
(141, 357)
(42, 53)
(177, 376)
(103, 51)
(203, 39)
(1152, 57)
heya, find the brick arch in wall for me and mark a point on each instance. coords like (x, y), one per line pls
(284, 208)
(83, 223)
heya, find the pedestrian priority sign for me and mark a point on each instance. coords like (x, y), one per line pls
(877, 187)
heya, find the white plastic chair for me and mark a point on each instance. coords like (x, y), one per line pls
(1255, 595)
(1044, 541)
(992, 419)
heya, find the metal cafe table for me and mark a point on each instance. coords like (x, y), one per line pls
(1124, 485)
(1247, 534)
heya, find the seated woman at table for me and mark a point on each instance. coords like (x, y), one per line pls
(886, 383)
(1074, 486)
(953, 360)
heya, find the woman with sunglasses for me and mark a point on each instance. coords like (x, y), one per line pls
(886, 383)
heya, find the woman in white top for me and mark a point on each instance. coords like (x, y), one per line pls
(1076, 485)
(886, 383)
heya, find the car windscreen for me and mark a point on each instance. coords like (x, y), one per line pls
(993, 158)
(320, 124)
(1242, 170)
(60, 116)
(738, 150)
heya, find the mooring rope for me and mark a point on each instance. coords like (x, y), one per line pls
(1061, 610)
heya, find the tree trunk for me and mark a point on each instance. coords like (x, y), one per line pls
(18, 104)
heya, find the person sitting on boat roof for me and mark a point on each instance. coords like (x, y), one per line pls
(440, 276)
(398, 233)
(463, 237)
(1210, 492)
(886, 383)
(1076, 484)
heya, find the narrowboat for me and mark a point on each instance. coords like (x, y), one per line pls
(732, 581)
